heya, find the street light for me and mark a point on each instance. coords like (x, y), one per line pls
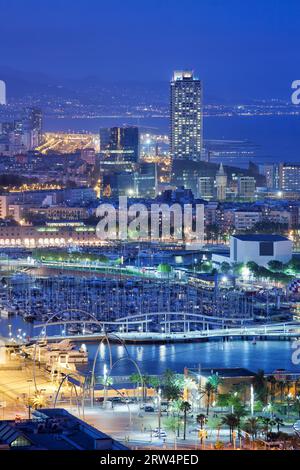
(252, 399)
(159, 411)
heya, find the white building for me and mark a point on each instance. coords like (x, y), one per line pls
(260, 249)
(2, 93)
(246, 219)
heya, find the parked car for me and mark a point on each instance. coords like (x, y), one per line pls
(149, 409)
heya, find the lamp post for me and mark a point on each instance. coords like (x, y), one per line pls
(252, 400)
(159, 411)
(29, 405)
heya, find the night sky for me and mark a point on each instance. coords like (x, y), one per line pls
(238, 47)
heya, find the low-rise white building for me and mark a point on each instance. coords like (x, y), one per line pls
(260, 249)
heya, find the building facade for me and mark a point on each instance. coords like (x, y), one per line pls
(260, 249)
(186, 116)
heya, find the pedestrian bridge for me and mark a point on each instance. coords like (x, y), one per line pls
(266, 331)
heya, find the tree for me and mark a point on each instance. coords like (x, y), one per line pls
(272, 382)
(278, 422)
(232, 421)
(171, 386)
(185, 408)
(210, 389)
(225, 267)
(267, 423)
(275, 265)
(252, 427)
(201, 420)
(296, 405)
(173, 424)
(176, 409)
(260, 386)
(215, 422)
(38, 401)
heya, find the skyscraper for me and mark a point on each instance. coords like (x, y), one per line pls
(119, 145)
(2, 93)
(32, 126)
(186, 116)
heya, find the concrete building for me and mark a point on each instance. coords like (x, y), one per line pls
(205, 187)
(246, 219)
(2, 93)
(260, 249)
(54, 429)
(4, 201)
(289, 177)
(88, 155)
(186, 116)
(246, 187)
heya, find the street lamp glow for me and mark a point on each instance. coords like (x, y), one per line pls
(245, 273)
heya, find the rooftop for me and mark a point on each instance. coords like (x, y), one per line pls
(55, 429)
(260, 238)
(228, 372)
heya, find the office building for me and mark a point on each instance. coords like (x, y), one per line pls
(186, 116)
(146, 180)
(2, 93)
(246, 187)
(289, 177)
(119, 146)
(246, 219)
(32, 127)
(205, 187)
(271, 173)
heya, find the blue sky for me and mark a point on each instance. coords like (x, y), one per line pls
(238, 47)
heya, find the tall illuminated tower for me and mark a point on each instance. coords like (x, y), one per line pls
(2, 93)
(186, 116)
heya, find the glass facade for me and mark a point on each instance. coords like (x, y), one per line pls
(186, 116)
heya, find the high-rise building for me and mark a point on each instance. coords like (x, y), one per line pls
(119, 145)
(246, 187)
(221, 183)
(2, 93)
(205, 187)
(32, 126)
(186, 116)
(289, 177)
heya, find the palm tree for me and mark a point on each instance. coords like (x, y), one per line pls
(210, 389)
(260, 386)
(201, 420)
(215, 422)
(38, 401)
(296, 387)
(175, 409)
(185, 407)
(232, 421)
(281, 385)
(297, 405)
(278, 422)
(273, 382)
(252, 426)
(173, 423)
(267, 423)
